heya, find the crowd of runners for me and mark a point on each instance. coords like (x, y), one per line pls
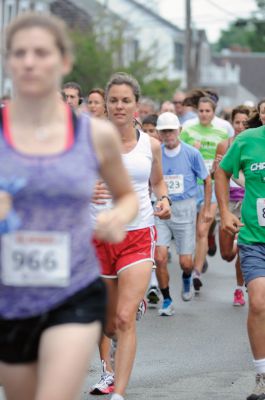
(96, 190)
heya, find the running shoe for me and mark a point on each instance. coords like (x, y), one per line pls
(153, 295)
(205, 266)
(197, 283)
(167, 308)
(187, 290)
(141, 310)
(259, 391)
(238, 298)
(105, 384)
(211, 245)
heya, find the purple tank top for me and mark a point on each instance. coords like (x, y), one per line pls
(46, 253)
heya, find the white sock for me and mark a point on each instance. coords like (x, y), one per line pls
(116, 396)
(153, 280)
(239, 287)
(259, 366)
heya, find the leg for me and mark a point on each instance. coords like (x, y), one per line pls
(256, 317)
(64, 353)
(133, 283)
(161, 260)
(202, 238)
(186, 264)
(19, 380)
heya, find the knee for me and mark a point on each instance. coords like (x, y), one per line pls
(257, 305)
(186, 267)
(161, 260)
(125, 320)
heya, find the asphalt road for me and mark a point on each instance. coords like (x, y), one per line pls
(200, 353)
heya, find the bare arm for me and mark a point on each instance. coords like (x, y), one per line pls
(111, 223)
(158, 184)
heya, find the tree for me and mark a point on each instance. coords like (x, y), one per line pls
(246, 33)
(98, 55)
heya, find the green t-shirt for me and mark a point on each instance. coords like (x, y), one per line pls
(247, 153)
(205, 139)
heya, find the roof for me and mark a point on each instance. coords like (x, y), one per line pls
(252, 67)
(155, 15)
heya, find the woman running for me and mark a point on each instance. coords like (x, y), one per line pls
(52, 301)
(228, 245)
(127, 266)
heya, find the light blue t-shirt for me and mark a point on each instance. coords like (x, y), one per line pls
(182, 170)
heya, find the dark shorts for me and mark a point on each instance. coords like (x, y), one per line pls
(252, 260)
(20, 338)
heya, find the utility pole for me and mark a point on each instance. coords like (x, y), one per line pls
(189, 48)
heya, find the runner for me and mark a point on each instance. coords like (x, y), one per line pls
(52, 301)
(72, 94)
(182, 165)
(247, 154)
(228, 245)
(205, 137)
(96, 103)
(127, 267)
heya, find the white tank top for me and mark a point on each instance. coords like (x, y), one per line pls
(138, 163)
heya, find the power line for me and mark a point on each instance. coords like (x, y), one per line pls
(221, 8)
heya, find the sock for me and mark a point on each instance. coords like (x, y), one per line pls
(196, 272)
(116, 396)
(239, 287)
(185, 275)
(153, 281)
(165, 293)
(259, 366)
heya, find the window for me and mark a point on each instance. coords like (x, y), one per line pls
(178, 55)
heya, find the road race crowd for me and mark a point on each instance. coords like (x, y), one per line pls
(95, 188)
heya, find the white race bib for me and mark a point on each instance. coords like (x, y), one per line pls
(261, 211)
(175, 183)
(36, 259)
(208, 164)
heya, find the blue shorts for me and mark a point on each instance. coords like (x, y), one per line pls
(200, 196)
(252, 260)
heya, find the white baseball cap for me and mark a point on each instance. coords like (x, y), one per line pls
(167, 120)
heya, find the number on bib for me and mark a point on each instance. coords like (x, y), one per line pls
(261, 211)
(36, 259)
(175, 184)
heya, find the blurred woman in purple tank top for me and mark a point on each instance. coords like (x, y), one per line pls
(52, 301)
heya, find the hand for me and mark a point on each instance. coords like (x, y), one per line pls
(109, 227)
(206, 215)
(230, 223)
(162, 209)
(100, 194)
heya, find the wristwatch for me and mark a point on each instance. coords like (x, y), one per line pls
(166, 197)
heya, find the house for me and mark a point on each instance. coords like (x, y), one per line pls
(153, 35)
(251, 66)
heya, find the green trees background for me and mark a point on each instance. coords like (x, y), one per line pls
(247, 33)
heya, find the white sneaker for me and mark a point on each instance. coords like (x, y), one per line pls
(105, 384)
(153, 295)
(167, 308)
(141, 310)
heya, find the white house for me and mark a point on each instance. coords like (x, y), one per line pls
(153, 35)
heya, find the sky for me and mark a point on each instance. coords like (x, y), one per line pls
(211, 15)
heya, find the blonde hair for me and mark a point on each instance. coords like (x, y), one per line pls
(48, 22)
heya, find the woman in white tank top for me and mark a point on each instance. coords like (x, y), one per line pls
(127, 266)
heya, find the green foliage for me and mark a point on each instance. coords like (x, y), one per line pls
(97, 59)
(160, 89)
(247, 33)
